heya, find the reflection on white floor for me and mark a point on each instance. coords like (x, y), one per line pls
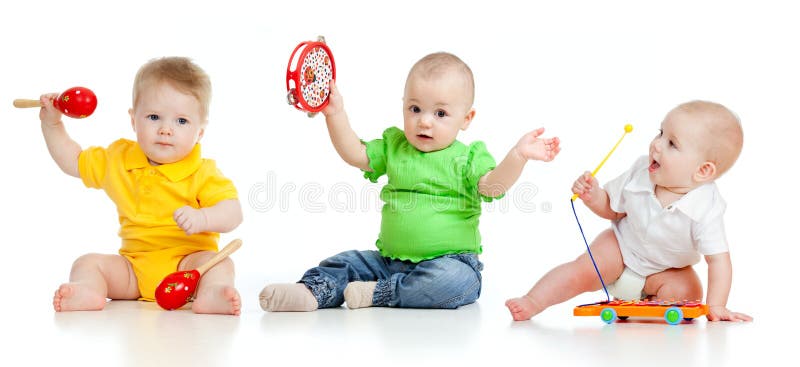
(131, 333)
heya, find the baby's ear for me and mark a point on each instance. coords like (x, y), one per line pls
(706, 172)
(130, 113)
(468, 119)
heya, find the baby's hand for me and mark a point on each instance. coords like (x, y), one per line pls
(335, 102)
(190, 220)
(722, 313)
(586, 186)
(49, 114)
(532, 147)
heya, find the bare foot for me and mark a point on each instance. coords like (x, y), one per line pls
(77, 297)
(222, 300)
(522, 308)
(287, 297)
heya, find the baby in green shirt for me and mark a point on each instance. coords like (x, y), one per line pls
(429, 240)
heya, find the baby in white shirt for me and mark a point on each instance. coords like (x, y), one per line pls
(666, 211)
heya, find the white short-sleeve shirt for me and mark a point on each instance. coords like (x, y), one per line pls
(653, 238)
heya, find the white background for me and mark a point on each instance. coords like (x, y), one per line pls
(582, 69)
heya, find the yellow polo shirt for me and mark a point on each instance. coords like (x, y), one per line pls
(146, 197)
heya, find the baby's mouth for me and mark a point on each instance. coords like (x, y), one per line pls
(424, 137)
(653, 166)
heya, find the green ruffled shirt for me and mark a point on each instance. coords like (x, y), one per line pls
(432, 203)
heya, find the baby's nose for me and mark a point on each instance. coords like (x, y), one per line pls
(425, 121)
(656, 145)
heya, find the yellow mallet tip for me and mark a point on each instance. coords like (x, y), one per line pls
(628, 128)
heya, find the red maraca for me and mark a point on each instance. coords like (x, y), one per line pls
(76, 102)
(178, 288)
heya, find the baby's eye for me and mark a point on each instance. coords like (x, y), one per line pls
(671, 144)
(152, 117)
(660, 132)
(414, 109)
(182, 121)
(441, 113)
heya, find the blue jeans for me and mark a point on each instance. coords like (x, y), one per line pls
(448, 281)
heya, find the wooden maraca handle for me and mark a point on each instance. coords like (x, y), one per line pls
(221, 255)
(27, 103)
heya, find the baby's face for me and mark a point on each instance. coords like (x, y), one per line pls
(434, 110)
(677, 152)
(168, 123)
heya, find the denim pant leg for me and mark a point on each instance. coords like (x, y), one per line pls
(328, 280)
(449, 281)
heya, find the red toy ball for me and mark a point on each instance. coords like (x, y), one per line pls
(177, 289)
(76, 102)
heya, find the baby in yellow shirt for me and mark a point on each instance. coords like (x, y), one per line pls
(172, 203)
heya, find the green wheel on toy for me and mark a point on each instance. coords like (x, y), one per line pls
(608, 315)
(673, 315)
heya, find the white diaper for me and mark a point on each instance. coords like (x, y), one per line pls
(628, 287)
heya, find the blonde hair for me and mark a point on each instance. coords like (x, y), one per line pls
(439, 63)
(181, 73)
(723, 128)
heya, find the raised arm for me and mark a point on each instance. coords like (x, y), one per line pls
(530, 147)
(62, 148)
(344, 139)
(720, 272)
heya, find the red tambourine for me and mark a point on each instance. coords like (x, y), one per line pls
(308, 85)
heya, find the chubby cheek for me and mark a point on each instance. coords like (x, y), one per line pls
(447, 134)
(141, 134)
(407, 123)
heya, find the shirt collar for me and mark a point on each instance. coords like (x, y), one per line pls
(640, 182)
(695, 204)
(175, 171)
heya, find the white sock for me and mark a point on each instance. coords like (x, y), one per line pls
(287, 297)
(359, 294)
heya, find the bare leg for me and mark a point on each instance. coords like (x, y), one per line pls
(215, 293)
(674, 284)
(571, 279)
(93, 278)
